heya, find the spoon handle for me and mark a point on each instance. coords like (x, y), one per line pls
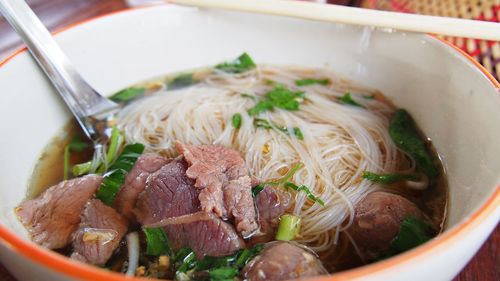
(83, 101)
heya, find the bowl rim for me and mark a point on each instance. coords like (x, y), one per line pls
(62, 264)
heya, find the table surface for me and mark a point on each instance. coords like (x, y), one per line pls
(485, 266)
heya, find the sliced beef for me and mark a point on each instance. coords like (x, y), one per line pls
(271, 204)
(100, 231)
(283, 261)
(170, 193)
(52, 217)
(378, 219)
(222, 177)
(135, 182)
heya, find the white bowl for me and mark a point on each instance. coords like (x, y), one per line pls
(452, 98)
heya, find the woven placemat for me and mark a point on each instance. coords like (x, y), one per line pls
(485, 52)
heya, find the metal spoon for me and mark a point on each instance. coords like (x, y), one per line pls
(94, 113)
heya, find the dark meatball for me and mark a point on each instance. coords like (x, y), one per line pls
(283, 261)
(378, 219)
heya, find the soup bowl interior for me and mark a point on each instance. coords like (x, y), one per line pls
(455, 103)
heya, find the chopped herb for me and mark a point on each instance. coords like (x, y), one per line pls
(288, 227)
(186, 259)
(114, 145)
(261, 106)
(257, 189)
(298, 133)
(113, 181)
(404, 133)
(262, 123)
(389, 178)
(369, 97)
(311, 81)
(81, 169)
(347, 99)
(223, 273)
(270, 82)
(241, 64)
(306, 190)
(245, 95)
(181, 81)
(247, 255)
(157, 242)
(128, 94)
(75, 145)
(236, 120)
(412, 233)
(284, 98)
(265, 124)
(279, 97)
(209, 262)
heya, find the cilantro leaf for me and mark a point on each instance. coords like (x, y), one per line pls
(405, 135)
(389, 178)
(311, 81)
(241, 64)
(347, 99)
(412, 233)
(181, 81)
(284, 98)
(128, 94)
(261, 106)
(236, 120)
(298, 133)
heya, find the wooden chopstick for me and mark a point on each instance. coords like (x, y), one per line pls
(342, 14)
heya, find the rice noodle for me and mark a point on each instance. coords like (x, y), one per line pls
(340, 141)
(133, 247)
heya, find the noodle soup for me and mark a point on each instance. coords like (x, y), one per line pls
(288, 160)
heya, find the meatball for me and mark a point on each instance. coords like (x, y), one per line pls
(377, 221)
(283, 261)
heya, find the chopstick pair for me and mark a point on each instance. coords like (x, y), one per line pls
(342, 14)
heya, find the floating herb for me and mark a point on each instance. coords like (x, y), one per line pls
(245, 95)
(157, 242)
(128, 94)
(404, 133)
(306, 190)
(185, 259)
(265, 124)
(113, 181)
(283, 98)
(262, 123)
(389, 178)
(258, 188)
(279, 97)
(261, 106)
(241, 64)
(236, 120)
(412, 233)
(347, 99)
(181, 81)
(247, 255)
(288, 227)
(298, 133)
(223, 273)
(311, 81)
